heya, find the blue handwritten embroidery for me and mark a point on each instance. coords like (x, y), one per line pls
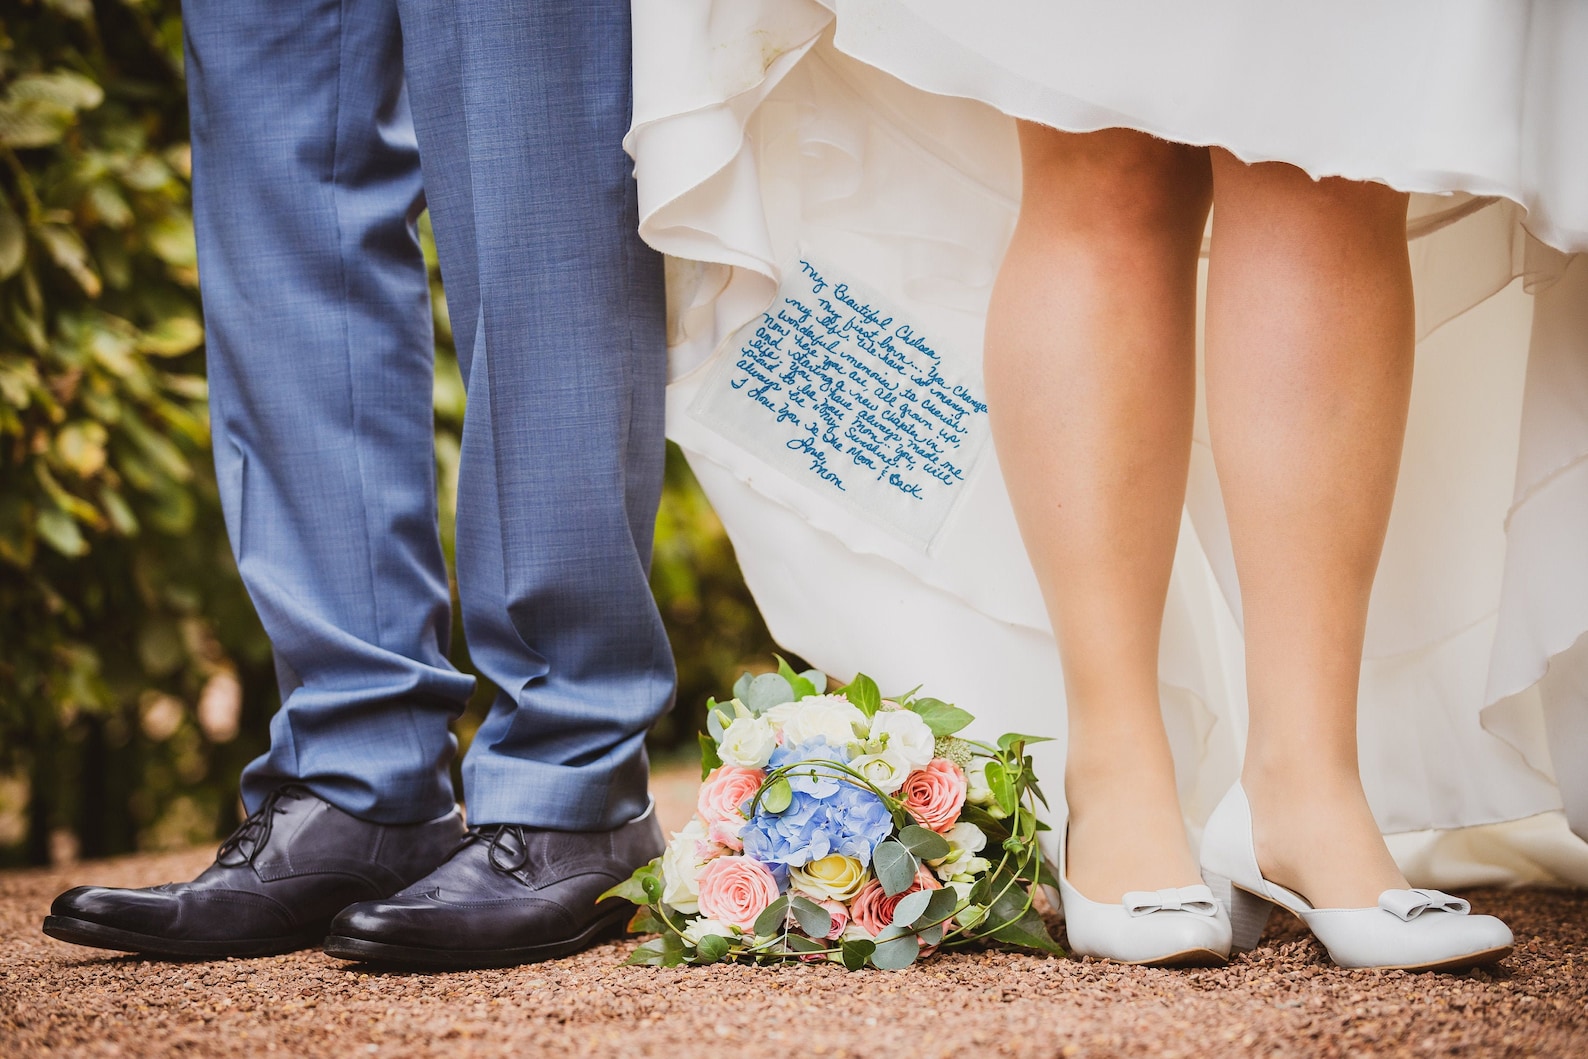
(858, 394)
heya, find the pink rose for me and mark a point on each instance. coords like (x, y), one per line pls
(722, 798)
(840, 915)
(736, 890)
(710, 848)
(934, 795)
(872, 909)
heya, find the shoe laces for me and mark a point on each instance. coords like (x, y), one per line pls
(503, 857)
(256, 829)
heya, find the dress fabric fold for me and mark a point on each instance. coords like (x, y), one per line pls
(786, 147)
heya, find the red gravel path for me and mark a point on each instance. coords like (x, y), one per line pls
(1284, 999)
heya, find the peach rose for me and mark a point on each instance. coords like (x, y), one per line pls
(723, 796)
(872, 909)
(736, 890)
(934, 795)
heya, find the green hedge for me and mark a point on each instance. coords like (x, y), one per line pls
(134, 677)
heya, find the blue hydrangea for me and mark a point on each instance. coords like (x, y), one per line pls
(818, 782)
(826, 814)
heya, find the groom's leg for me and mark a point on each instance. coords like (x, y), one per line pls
(521, 111)
(306, 183)
(306, 188)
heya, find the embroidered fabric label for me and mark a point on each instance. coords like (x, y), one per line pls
(848, 396)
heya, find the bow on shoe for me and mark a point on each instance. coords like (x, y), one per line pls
(1195, 899)
(1409, 904)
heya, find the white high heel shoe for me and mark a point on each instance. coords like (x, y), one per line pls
(1176, 927)
(1409, 930)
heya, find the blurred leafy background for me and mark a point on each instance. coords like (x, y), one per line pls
(135, 680)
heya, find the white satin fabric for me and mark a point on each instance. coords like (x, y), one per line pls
(877, 136)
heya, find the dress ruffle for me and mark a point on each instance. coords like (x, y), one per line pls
(756, 140)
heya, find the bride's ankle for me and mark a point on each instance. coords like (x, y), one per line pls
(1314, 833)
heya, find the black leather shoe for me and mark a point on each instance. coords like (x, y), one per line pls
(274, 886)
(509, 895)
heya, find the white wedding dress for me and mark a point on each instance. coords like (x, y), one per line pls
(834, 184)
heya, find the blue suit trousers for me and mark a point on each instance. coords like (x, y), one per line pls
(321, 130)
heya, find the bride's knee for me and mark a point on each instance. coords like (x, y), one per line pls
(1115, 182)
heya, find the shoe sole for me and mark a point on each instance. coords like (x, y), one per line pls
(361, 950)
(1458, 963)
(99, 936)
(1188, 958)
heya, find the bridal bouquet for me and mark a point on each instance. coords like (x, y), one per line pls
(848, 827)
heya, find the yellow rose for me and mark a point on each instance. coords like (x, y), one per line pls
(835, 876)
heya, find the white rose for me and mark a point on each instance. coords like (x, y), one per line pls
(886, 771)
(681, 868)
(903, 732)
(703, 927)
(777, 716)
(747, 743)
(831, 716)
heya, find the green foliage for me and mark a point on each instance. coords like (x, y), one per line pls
(119, 607)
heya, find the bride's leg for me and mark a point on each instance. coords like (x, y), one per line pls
(1309, 368)
(1090, 366)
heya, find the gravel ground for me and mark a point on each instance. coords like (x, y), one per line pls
(1283, 999)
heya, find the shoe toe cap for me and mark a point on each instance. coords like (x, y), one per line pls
(134, 909)
(1161, 937)
(366, 919)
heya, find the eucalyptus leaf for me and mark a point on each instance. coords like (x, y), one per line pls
(942, 718)
(774, 920)
(924, 842)
(800, 943)
(741, 687)
(908, 910)
(894, 866)
(942, 905)
(817, 679)
(766, 691)
(895, 953)
(813, 918)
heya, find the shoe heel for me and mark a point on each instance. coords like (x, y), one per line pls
(1248, 913)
